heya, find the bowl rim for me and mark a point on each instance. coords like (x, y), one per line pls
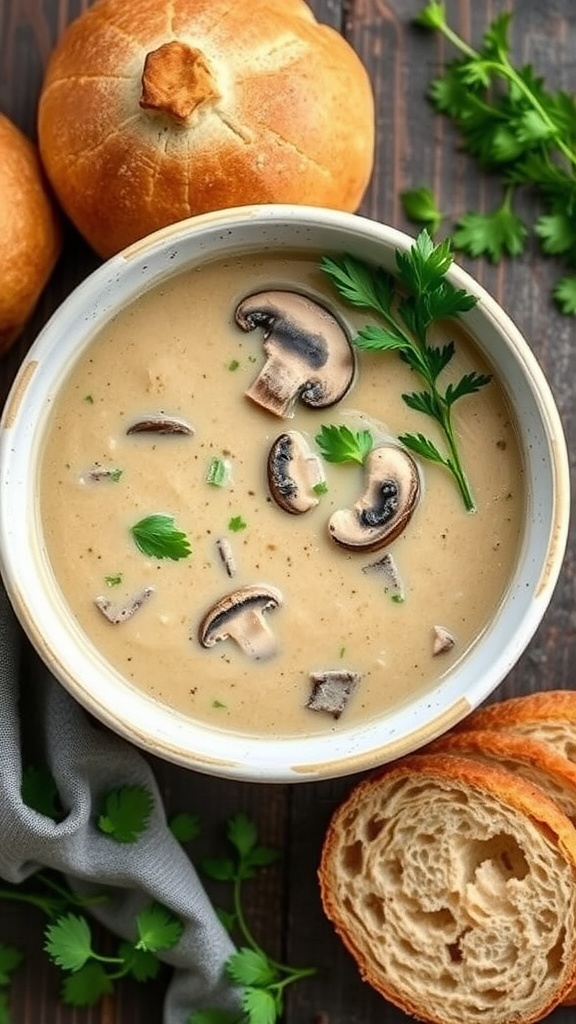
(156, 728)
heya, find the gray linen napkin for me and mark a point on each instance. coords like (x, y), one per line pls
(41, 723)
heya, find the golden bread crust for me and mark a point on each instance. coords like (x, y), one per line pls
(287, 115)
(475, 818)
(29, 228)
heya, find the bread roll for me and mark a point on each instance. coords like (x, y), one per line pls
(29, 230)
(152, 112)
(453, 884)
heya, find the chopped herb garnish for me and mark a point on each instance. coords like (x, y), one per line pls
(89, 399)
(233, 364)
(237, 523)
(427, 297)
(158, 537)
(340, 444)
(218, 474)
(320, 488)
(397, 598)
(218, 704)
(114, 580)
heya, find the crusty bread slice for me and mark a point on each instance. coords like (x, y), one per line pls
(452, 882)
(549, 715)
(535, 760)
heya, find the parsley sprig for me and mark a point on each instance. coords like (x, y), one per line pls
(338, 443)
(513, 125)
(263, 980)
(426, 297)
(159, 537)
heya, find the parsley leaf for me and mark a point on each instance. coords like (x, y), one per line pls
(340, 444)
(139, 963)
(126, 813)
(213, 1017)
(251, 967)
(87, 986)
(426, 296)
(184, 827)
(420, 206)
(513, 124)
(158, 537)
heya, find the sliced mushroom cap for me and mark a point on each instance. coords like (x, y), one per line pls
(384, 509)
(294, 470)
(309, 354)
(239, 616)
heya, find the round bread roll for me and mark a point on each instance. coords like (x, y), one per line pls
(151, 112)
(29, 230)
(453, 885)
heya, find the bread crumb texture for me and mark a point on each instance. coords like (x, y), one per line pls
(453, 884)
(151, 112)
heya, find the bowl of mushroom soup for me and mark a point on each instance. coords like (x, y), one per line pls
(284, 493)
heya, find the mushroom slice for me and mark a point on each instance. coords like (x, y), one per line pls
(239, 616)
(118, 613)
(392, 489)
(442, 641)
(309, 354)
(294, 470)
(160, 425)
(332, 690)
(386, 566)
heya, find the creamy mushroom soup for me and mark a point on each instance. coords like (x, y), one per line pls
(219, 562)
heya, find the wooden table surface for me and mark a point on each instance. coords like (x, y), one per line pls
(415, 147)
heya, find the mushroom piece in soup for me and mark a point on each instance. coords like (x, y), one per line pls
(179, 365)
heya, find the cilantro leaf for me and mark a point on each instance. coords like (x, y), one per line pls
(237, 523)
(565, 294)
(490, 234)
(220, 869)
(10, 959)
(87, 986)
(140, 963)
(557, 232)
(5, 1017)
(241, 831)
(260, 1006)
(157, 929)
(126, 813)
(158, 537)
(340, 444)
(184, 827)
(420, 206)
(68, 942)
(40, 792)
(251, 967)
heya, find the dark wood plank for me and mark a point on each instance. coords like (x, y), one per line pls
(414, 147)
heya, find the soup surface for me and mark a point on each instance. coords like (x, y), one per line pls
(176, 357)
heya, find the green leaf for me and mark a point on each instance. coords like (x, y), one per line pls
(236, 524)
(142, 965)
(424, 265)
(218, 474)
(251, 967)
(113, 580)
(422, 401)
(419, 205)
(126, 813)
(259, 1006)
(158, 537)
(557, 232)
(340, 444)
(241, 832)
(227, 919)
(496, 44)
(438, 358)
(432, 16)
(40, 792)
(68, 942)
(565, 295)
(533, 128)
(490, 234)
(213, 1017)
(423, 446)
(10, 959)
(220, 869)
(468, 385)
(185, 827)
(157, 928)
(360, 284)
(87, 986)
(379, 339)
(5, 1017)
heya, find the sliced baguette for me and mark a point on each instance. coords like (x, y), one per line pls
(452, 882)
(535, 760)
(549, 716)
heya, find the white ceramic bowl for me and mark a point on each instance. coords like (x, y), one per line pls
(165, 733)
